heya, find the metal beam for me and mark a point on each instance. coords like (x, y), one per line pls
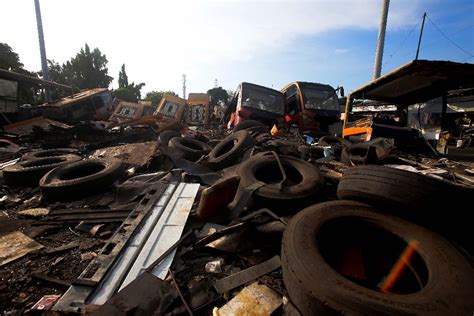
(13, 76)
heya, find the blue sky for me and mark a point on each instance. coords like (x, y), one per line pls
(266, 42)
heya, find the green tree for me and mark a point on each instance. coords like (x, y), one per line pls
(123, 78)
(218, 94)
(127, 92)
(9, 60)
(89, 69)
(156, 96)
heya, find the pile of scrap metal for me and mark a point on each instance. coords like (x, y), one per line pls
(235, 222)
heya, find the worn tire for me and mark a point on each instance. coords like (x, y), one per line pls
(398, 189)
(192, 149)
(251, 125)
(436, 204)
(329, 140)
(165, 137)
(49, 153)
(355, 154)
(29, 172)
(6, 145)
(229, 150)
(306, 179)
(67, 183)
(318, 289)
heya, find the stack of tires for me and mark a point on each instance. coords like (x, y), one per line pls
(62, 174)
(345, 257)
(378, 251)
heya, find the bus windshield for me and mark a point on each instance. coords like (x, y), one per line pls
(263, 99)
(319, 98)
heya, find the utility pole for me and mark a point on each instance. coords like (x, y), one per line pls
(381, 40)
(184, 86)
(216, 83)
(44, 64)
(421, 34)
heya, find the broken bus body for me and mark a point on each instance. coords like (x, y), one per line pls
(412, 83)
(311, 106)
(255, 102)
(198, 109)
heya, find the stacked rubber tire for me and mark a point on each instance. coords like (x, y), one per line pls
(327, 272)
(62, 175)
(35, 165)
(316, 288)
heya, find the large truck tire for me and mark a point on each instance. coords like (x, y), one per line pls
(335, 256)
(434, 203)
(83, 178)
(192, 149)
(251, 126)
(165, 137)
(49, 153)
(29, 172)
(407, 191)
(229, 150)
(305, 181)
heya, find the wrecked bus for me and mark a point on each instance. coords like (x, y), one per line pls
(254, 102)
(312, 106)
(412, 83)
(171, 106)
(92, 104)
(198, 111)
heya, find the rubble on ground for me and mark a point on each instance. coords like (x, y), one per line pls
(147, 214)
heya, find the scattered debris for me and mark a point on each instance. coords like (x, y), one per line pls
(88, 256)
(16, 245)
(34, 212)
(255, 299)
(247, 275)
(46, 302)
(106, 211)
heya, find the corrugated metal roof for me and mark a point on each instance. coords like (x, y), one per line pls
(417, 81)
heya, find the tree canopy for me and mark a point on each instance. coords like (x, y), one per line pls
(87, 70)
(218, 94)
(127, 92)
(10, 60)
(123, 78)
(156, 96)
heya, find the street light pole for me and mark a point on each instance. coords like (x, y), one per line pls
(44, 64)
(381, 40)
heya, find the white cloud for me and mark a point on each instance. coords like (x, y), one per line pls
(340, 51)
(160, 40)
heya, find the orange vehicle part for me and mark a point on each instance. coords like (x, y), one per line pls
(171, 106)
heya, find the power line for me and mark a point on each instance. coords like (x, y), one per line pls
(450, 40)
(429, 44)
(402, 43)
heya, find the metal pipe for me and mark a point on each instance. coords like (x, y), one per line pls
(44, 63)
(421, 34)
(381, 40)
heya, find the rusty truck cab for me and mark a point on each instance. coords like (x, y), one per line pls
(171, 106)
(198, 109)
(311, 106)
(254, 102)
(412, 83)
